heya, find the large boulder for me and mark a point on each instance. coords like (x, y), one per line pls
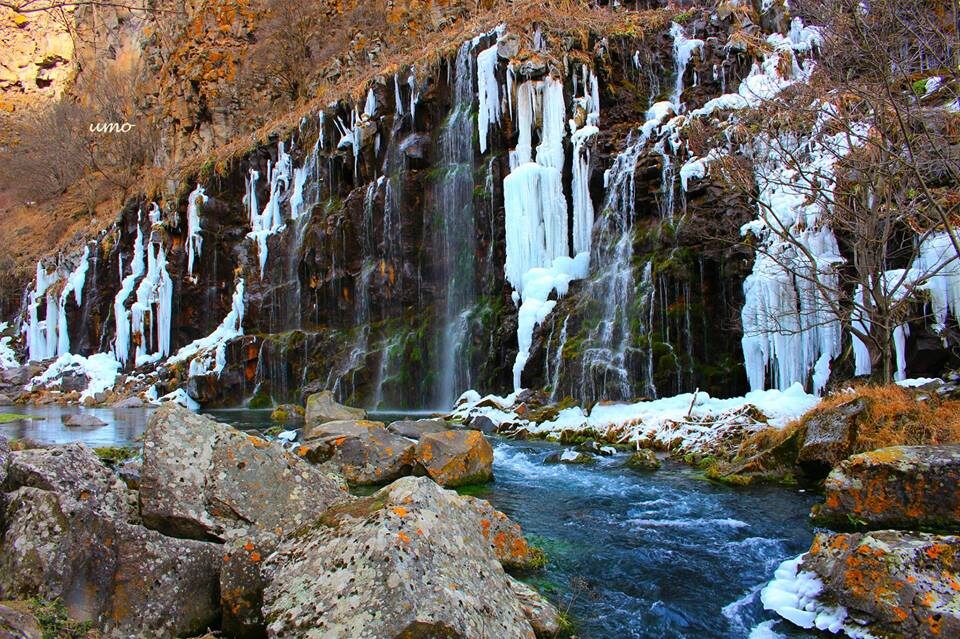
(909, 487)
(505, 536)
(17, 622)
(83, 420)
(322, 407)
(130, 580)
(456, 457)
(363, 452)
(242, 583)
(74, 472)
(829, 437)
(888, 583)
(408, 561)
(204, 480)
(416, 428)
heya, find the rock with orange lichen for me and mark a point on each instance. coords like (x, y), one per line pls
(73, 472)
(407, 561)
(907, 487)
(456, 457)
(128, 580)
(542, 615)
(242, 584)
(891, 583)
(365, 453)
(505, 536)
(828, 437)
(205, 480)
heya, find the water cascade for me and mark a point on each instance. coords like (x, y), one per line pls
(457, 238)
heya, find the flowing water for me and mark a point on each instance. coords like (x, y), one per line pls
(662, 555)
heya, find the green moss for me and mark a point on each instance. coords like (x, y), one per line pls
(684, 16)
(114, 455)
(260, 400)
(474, 490)
(55, 622)
(920, 86)
(6, 418)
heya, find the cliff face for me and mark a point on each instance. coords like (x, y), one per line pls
(533, 208)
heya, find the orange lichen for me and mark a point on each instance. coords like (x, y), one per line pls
(403, 537)
(400, 511)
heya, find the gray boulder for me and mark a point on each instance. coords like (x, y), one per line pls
(322, 407)
(829, 438)
(364, 452)
(408, 561)
(4, 459)
(83, 420)
(504, 536)
(74, 472)
(542, 615)
(130, 580)
(129, 402)
(204, 480)
(415, 428)
(242, 583)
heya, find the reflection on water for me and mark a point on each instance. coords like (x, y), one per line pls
(123, 426)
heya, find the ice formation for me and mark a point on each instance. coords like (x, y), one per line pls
(194, 239)
(8, 358)
(152, 312)
(101, 370)
(683, 48)
(209, 354)
(488, 94)
(265, 223)
(74, 285)
(121, 316)
(41, 335)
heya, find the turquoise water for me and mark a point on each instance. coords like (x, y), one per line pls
(663, 555)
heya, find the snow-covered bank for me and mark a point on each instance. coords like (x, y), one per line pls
(689, 422)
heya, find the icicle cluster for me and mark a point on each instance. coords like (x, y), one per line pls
(265, 223)
(194, 239)
(209, 354)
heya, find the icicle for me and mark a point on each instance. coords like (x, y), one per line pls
(155, 214)
(194, 239)
(370, 106)
(152, 312)
(266, 223)
(582, 204)
(209, 354)
(683, 48)
(121, 316)
(74, 284)
(488, 93)
(41, 336)
(397, 99)
(414, 96)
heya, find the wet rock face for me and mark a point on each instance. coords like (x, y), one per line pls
(128, 578)
(910, 487)
(900, 584)
(829, 438)
(408, 561)
(456, 457)
(204, 480)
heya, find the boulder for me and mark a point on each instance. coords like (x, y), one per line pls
(322, 407)
(456, 457)
(415, 428)
(242, 583)
(505, 536)
(482, 423)
(16, 622)
(287, 414)
(408, 561)
(508, 46)
(542, 615)
(595, 448)
(129, 473)
(131, 580)
(4, 459)
(910, 487)
(83, 420)
(363, 454)
(570, 456)
(829, 437)
(74, 472)
(892, 584)
(204, 480)
(642, 459)
(341, 428)
(129, 402)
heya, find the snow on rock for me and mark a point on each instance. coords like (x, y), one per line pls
(178, 396)
(792, 594)
(209, 354)
(101, 369)
(8, 358)
(194, 239)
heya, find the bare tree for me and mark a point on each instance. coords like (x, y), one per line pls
(869, 144)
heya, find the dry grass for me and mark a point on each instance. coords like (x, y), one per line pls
(895, 416)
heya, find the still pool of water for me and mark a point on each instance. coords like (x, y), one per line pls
(662, 555)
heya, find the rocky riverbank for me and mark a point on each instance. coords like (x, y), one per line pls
(229, 531)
